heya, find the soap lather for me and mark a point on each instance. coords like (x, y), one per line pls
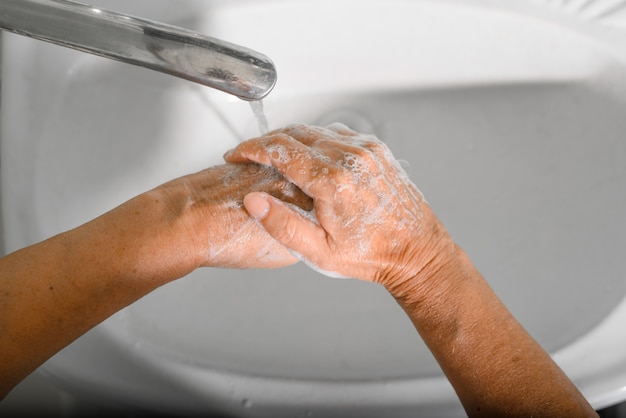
(183, 53)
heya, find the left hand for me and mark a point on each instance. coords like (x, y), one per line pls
(220, 227)
(196, 221)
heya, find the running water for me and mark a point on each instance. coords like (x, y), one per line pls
(259, 113)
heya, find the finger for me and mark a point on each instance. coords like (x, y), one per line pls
(290, 228)
(333, 136)
(337, 140)
(309, 135)
(297, 162)
(336, 133)
(258, 150)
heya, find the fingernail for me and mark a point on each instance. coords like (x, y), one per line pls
(257, 205)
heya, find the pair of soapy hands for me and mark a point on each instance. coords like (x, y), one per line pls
(330, 197)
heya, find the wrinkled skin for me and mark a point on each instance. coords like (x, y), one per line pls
(56, 290)
(367, 221)
(218, 218)
(372, 223)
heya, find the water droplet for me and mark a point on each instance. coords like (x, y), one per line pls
(246, 403)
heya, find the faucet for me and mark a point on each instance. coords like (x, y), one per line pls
(233, 69)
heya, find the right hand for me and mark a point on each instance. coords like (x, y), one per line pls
(370, 222)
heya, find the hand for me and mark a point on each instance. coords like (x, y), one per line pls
(193, 221)
(370, 222)
(220, 226)
(56, 290)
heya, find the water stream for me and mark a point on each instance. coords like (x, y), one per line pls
(259, 114)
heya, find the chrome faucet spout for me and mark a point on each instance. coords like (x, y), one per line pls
(212, 62)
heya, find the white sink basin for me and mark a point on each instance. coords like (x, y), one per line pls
(512, 121)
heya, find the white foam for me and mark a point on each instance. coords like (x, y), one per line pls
(309, 215)
(312, 266)
(278, 153)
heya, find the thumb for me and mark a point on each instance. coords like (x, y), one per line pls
(286, 225)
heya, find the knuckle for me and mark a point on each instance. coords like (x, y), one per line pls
(294, 127)
(281, 137)
(375, 146)
(341, 129)
(301, 132)
(363, 152)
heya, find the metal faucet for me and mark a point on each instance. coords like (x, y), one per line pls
(233, 69)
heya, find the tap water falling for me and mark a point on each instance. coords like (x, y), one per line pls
(259, 114)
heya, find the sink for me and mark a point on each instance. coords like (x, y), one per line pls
(508, 117)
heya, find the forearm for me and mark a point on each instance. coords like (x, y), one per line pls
(495, 366)
(372, 223)
(55, 291)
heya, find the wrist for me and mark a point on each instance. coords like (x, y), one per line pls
(164, 228)
(135, 244)
(436, 274)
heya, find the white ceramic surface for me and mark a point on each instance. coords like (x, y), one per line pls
(510, 116)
